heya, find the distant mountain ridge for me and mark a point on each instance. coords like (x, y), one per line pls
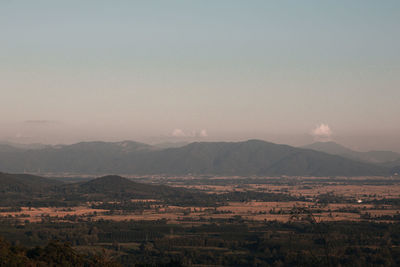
(376, 157)
(252, 157)
(25, 146)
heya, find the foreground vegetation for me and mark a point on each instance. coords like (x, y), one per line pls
(200, 221)
(221, 243)
(55, 253)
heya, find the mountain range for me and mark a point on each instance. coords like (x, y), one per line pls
(388, 158)
(252, 157)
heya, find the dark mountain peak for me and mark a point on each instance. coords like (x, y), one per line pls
(101, 148)
(165, 145)
(241, 144)
(256, 141)
(250, 141)
(131, 143)
(114, 184)
(109, 183)
(330, 147)
(110, 179)
(263, 143)
(103, 143)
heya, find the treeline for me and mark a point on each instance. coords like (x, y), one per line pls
(225, 242)
(55, 253)
(123, 202)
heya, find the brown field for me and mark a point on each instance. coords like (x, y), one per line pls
(362, 191)
(37, 214)
(356, 191)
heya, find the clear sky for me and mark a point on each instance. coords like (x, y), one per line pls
(209, 69)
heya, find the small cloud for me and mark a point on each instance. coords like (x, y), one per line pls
(322, 132)
(21, 136)
(189, 134)
(178, 133)
(203, 133)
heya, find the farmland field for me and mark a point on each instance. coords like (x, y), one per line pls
(327, 199)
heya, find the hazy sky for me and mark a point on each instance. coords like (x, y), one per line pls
(114, 70)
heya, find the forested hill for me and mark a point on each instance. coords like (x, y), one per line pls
(118, 187)
(25, 183)
(30, 190)
(253, 157)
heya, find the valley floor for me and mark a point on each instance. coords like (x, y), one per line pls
(261, 221)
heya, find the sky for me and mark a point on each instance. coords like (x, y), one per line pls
(284, 71)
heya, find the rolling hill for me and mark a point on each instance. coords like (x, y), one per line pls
(112, 185)
(24, 190)
(25, 183)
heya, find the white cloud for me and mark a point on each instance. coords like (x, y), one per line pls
(181, 133)
(203, 133)
(322, 132)
(178, 133)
